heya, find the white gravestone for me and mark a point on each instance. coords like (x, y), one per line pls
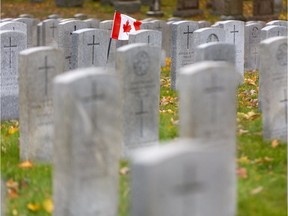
(138, 66)
(37, 68)
(12, 42)
(274, 88)
(88, 143)
(273, 31)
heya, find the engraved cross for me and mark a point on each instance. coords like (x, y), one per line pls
(46, 68)
(141, 113)
(188, 33)
(93, 44)
(234, 31)
(10, 46)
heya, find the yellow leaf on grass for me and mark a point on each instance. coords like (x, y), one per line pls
(33, 207)
(14, 212)
(257, 190)
(12, 130)
(243, 160)
(25, 164)
(48, 205)
(124, 171)
(275, 143)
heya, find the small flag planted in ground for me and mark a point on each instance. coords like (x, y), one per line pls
(123, 25)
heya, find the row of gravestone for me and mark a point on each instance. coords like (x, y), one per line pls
(194, 174)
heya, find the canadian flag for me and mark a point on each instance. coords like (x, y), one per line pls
(123, 25)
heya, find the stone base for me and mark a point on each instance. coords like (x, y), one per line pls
(155, 13)
(188, 13)
(127, 6)
(264, 17)
(233, 17)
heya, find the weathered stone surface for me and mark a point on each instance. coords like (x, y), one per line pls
(273, 31)
(12, 42)
(88, 143)
(182, 47)
(37, 68)
(50, 32)
(89, 48)
(273, 88)
(92, 23)
(151, 37)
(138, 66)
(207, 35)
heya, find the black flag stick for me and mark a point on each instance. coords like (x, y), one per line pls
(109, 49)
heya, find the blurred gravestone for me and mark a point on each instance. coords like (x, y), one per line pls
(207, 35)
(37, 68)
(273, 31)
(263, 9)
(283, 23)
(87, 154)
(31, 30)
(80, 16)
(130, 6)
(69, 3)
(187, 8)
(151, 37)
(155, 9)
(92, 23)
(49, 32)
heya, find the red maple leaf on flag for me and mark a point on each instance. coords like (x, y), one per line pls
(127, 27)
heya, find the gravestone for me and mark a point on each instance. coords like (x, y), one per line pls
(234, 34)
(168, 33)
(2, 192)
(262, 23)
(283, 23)
(138, 67)
(228, 9)
(151, 37)
(273, 31)
(12, 42)
(210, 88)
(90, 48)
(12, 25)
(273, 88)
(181, 179)
(69, 3)
(80, 16)
(65, 30)
(263, 10)
(215, 51)
(252, 40)
(50, 32)
(37, 68)
(187, 8)
(155, 9)
(54, 16)
(108, 24)
(162, 26)
(92, 23)
(204, 24)
(26, 16)
(130, 6)
(182, 47)
(40, 34)
(147, 25)
(6, 20)
(174, 19)
(31, 30)
(87, 154)
(207, 35)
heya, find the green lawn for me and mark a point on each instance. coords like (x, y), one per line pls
(261, 165)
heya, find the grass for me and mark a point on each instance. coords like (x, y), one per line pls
(262, 165)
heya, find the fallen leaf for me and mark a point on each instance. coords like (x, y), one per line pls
(242, 173)
(257, 190)
(25, 164)
(275, 143)
(124, 171)
(33, 207)
(48, 205)
(241, 131)
(267, 159)
(243, 160)
(14, 212)
(12, 130)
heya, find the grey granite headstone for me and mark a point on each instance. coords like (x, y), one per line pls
(151, 37)
(273, 31)
(168, 33)
(26, 16)
(88, 143)
(234, 34)
(12, 25)
(187, 8)
(162, 26)
(108, 24)
(147, 25)
(37, 68)
(262, 23)
(80, 16)
(207, 35)
(90, 48)
(263, 10)
(208, 87)
(182, 47)
(138, 66)
(204, 24)
(54, 16)
(65, 30)
(92, 23)
(12, 42)
(274, 88)
(283, 23)
(252, 40)
(31, 30)
(183, 179)
(174, 19)
(50, 32)
(215, 51)
(155, 9)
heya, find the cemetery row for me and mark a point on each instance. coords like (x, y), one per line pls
(86, 112)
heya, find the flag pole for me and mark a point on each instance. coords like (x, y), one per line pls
(110, 41)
